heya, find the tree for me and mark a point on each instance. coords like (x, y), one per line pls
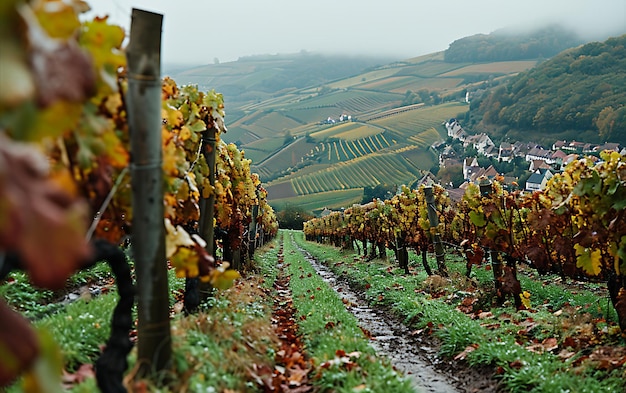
(452, 174)
(292, 217)
(380, 191)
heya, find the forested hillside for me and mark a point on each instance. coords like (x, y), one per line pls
(580, 92)
(507, 45)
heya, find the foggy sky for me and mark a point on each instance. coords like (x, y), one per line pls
(199, 31)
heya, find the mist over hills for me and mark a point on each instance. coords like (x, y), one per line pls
(260, 77)
(512, 44)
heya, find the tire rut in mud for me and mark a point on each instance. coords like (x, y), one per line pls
(415, 356)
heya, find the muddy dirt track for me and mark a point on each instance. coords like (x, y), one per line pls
(414, 355)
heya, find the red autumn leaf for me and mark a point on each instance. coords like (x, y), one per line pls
(367, 333)
(62, 70)
(40, 212)
(466, 351)
(550, 344)
(85, 371)
(23, 351)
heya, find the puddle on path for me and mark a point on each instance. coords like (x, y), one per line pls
(392, 340)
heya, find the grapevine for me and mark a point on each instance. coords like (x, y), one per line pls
(574, 227)
(64, 157)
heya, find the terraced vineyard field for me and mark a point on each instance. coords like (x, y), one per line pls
(408, 124)
(349, 101)
(347, 131)
(364, 171)
(289, 156)
(344, 150)
(400, 84)
(384, 142)
(260, 125)
(316, 202)
(498, 68)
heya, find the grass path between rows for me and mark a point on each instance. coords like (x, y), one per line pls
(346, 362)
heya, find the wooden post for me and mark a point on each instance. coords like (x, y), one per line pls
(485, 188)
(434, 222)
(148, 231)
(207, 205)
(252, 229)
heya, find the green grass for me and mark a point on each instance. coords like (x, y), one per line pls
(81, 328)
(500, 340)
(35, 303)
(328, 328)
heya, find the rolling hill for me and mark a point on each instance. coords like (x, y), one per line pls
(318, 144)
(578, 94)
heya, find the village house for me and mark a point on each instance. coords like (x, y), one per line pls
(538, 164)
(490, 173)
(505, 152)
(481, 142)
(538, 180)
(608, 146)
(448, 157)
(585, 148)
(490, 151)
(539, 153)
(455, 131)
(470, 165)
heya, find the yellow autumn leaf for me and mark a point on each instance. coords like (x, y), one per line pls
(185, 262)
(223, 279)
(175, 238)
(525, 297)
(588, 259)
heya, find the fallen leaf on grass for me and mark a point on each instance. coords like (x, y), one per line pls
(367, 333)
(608, 358)
(466, 351)
(565, 354)
(85, 371)
(549, 345)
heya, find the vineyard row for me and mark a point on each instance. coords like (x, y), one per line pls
(575, 227)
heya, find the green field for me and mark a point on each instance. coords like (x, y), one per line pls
(344, 150)
(411, 123)
(368, 170)
(347, 131)
(316, 202)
